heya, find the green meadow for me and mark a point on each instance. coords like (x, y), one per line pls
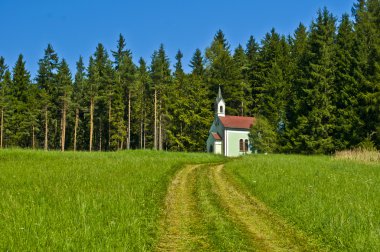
(85, 201)
(115, 201)
(336, 201)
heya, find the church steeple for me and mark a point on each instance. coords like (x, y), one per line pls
(220, 105)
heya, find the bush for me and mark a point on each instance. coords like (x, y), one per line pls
(263, 136)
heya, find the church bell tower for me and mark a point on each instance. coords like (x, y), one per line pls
(220, 105)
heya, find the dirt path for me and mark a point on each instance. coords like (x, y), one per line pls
(179, 227)
(186, 225)
(268, 232)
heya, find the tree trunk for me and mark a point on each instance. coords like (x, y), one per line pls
(63, 134)
(160, 130)
(109, 123)
(100, 135)
(129, 121)
(76, 128)
(2, 128)
(46, 129)
(122, 142)
(155, 120)
(160, 134)
(55, 134)
(91, 121)
(33, 138)
(141, 130)
(144, 130)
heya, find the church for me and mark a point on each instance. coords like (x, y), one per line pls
(228, 135)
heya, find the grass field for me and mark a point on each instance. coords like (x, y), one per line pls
(85, 201)
(335, 201)
(148, 200)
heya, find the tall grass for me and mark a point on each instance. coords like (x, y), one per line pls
(84, 201)
(361, 155)
(336, 201)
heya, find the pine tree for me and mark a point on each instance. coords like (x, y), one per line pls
(46, 81)
(143, 104)
(128, 77)
(318, 130)
(197, 63)
(296, 96)
(64, 89)
(348, 122)
(177, 107)
(19, 90)
(241, 62)
(161, 78)
(104, 83)
(78, 97)
(222, 71)
(8, 103)
(91, 92)
(271, 81)
(33, 113)
(4, 76)
(367, 66)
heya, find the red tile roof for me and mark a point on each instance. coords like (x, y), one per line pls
(237, 122)
(216, 136)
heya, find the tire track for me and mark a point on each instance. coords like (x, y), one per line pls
(205, 211)
(180, 230)
(268, 232)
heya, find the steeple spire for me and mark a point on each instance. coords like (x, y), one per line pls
(219, 97)
(220, 105)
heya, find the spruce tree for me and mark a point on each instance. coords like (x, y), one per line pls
(4, 77)
(143, 105)
(241, 62)
(64, 90)
(19, 128)
(348, 122)
(161, 79)
(46, 81)
(294, 108)
(78, 104)
(197, 63)
(222, 71)
(367, 66)
(271, 80)
(124, 87)
(91, 93)
(105, 91)
(317, 130)
(177, 107)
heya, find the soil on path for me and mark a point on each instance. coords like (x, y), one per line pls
(182, 227)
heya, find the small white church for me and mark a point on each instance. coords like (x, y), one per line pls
(228, 135)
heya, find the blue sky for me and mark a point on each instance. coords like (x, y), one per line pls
(75, 27)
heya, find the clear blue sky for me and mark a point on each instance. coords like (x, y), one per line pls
(75, 27)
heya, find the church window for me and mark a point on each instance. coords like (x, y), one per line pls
(221, 109)
(241, 145)
(246, 145)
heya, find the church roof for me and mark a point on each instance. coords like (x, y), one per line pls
(216, 136)
(237, 122)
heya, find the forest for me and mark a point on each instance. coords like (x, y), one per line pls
(315, 91)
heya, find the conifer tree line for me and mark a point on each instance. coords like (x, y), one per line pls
(317, 91)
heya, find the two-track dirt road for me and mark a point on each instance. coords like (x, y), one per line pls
(205, 211)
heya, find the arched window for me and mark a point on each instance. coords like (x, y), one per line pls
(241, 145)
(221, 109)
(246, 145)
